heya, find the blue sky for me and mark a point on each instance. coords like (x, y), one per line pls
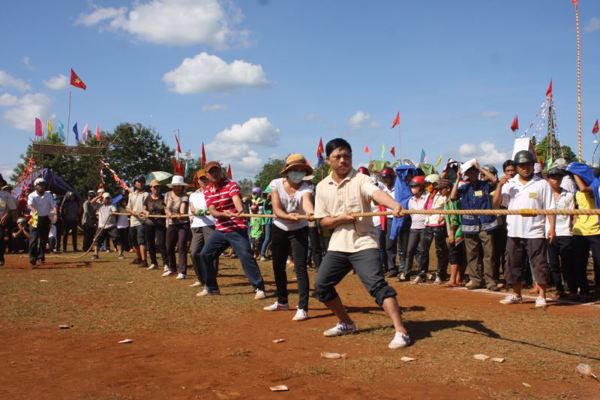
(458, 72)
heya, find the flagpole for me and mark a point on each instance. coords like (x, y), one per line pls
(579, 127)
(68, 118)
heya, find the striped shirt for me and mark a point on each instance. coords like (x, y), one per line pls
(221, 198)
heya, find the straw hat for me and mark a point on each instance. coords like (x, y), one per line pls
(296, 161)
(177, 180)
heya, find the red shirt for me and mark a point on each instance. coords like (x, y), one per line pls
(221, 198)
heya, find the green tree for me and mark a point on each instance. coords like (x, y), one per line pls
(541, 150)
(131, 150)
(271, 170)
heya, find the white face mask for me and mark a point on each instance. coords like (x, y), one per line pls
(296, 176)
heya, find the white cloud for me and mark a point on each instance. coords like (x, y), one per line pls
(208, 73)
(23, 112)
(236, 145)
(27, 62)
(57, 82)
(257, 130)
(7, 80)
(214, 107)
(99, 15)
(593, 25)
(361, 119)
(7, 99)
(173, 22)
(489, 114)
(486, 153)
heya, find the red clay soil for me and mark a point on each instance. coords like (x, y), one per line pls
(233, 356)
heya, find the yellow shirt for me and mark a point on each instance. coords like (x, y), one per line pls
(352, 194)
(586, 225)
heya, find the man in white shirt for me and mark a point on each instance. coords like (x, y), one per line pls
(203, 225)
(41, 203)
(526, 235)
(137, 233)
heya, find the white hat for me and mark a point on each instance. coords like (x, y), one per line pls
(433, 178)
(466, 165)
(39, 181)
(106, 195)
(177, 180)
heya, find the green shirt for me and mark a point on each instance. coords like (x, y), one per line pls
(255, 228)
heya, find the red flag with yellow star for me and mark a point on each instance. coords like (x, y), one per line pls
(76, 81)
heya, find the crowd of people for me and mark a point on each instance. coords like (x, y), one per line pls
(294, 222)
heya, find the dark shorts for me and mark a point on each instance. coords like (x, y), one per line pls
(517, 249)
(456, 253)
(336, 265)
(112, 233)
(137, 235)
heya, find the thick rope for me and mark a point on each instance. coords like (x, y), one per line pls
(525, 212)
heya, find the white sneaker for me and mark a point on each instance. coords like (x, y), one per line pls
(166, 268)
(277, 307)
(168, 273)
(152, 266)
(540, 302)
(417, 280)
(180, 276)
(400, 340)
(196, 284)
(340, 329)
(260, 294)
(262, 259)
(438, 281)
(512, 299)
(301, 315)
(206, 292)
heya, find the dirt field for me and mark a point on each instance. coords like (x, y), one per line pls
(186, 347)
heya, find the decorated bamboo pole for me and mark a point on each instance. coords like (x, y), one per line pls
(579, 125)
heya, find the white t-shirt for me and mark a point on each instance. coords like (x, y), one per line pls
(418, 220)
(290, 204)
(568, 184)
(563, 222)
(199, 202)
(43, 204)
(437, 203)
(392, 193)
(536, 194)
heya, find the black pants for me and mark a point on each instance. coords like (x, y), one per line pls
(391, 248)
(88, 236)
(560, 258)
(439, 234)
(582, 246)
(3, 231)
(69, 227)
(38, 238)
(337, 264)
(177, 236)
(413, 249)
(315, 246)
(155, 238)
(282, 241)
(499, 238)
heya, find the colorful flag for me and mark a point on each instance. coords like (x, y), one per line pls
(367, 150)
(178, 148)
(85, 133)
(423, 158)
(320, 151)
(178, 167)
(438, 162)
(382, 151)
(549, 91)
(76, 132)
(98, 137)
(76, 81)
(39, 130)
(61, 131)
(50, 129)
(596, 128)
(203, 157)
(514, 126)
(575, 2)
(229, 174)
(396, 120)
(393, 151)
